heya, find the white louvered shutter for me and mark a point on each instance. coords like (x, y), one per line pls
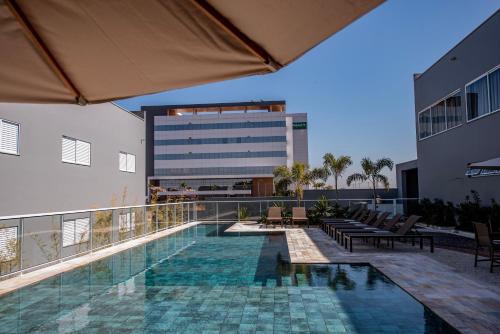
(9, 135)
(68, 233)
(131, 163)
(8, 244)
(68, 150)
(123, 162)
(82, 153)
(81, 230)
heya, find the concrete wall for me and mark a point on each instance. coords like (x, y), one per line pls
(37, 180)
(442, 158)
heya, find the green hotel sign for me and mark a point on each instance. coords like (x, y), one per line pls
(299, 125)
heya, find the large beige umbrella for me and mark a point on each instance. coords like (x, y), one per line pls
(66, 51)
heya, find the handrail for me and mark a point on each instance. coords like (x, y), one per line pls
(43, 214)
(270, 199)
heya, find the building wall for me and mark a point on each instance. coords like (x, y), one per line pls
(227, 145)
(442, 158)
(37, 180)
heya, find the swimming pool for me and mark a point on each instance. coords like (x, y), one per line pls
(202, 281)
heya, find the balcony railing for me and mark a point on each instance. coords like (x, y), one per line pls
(30, 242)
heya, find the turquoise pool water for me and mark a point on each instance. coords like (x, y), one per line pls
(201, 281)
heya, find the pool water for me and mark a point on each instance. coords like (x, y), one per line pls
(200, 280)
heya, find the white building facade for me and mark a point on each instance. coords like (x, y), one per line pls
(231, 151)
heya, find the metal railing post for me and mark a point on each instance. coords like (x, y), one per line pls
(91, 236)
(21, 264)
(61, 220)
(156, 217)
(238, 211)
(260, 209)
(394, 208)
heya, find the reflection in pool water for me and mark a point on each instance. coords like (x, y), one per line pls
(202, 280)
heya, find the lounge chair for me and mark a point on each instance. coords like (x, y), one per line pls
(484, 239)
(274, 216)
(355, 214)
(299, 215)
(331, 228)
(402, 232)
(377, 224)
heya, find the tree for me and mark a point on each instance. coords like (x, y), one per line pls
(371, 173)
(298, 175)
(336, 167)
(282, 180)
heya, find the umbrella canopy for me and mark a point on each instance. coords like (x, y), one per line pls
(492, 164)
(62, 51)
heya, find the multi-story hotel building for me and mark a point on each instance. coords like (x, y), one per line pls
(226, 149)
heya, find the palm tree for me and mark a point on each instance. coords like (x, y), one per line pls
(336, 167)
(282, 180)
(299, 175)
(371, 173)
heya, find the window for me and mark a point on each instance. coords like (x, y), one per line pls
(438, 117)
(9, 137)
(126, 222)
(477, 98)
(494, 82)
(127, 162)
(75, 151)
(424, 124)
(454, 111)
(8, 244)
(441, 116)
(75, 231)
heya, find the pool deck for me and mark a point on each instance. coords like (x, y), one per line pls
(446, 281)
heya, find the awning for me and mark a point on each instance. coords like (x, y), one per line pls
(62, 51)
(492, 164)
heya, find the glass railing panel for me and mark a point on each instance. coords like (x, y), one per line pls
(10, 253)
(42, 242)
(162, 217)
(205, 211)
(102, 228)
(138, 223)
(171, 215)
(228, 211)
(249, 211)
(151, 219)
(75, 233)
(179, 214)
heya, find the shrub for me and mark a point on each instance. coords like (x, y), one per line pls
(472, 211)
(437, 213)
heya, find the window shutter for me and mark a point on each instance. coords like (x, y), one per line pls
(131, 163)
(123, 162)
(82, 153)
(8, 244)
(68, 233)
(81, 230)
(68, 150)
(9, 133)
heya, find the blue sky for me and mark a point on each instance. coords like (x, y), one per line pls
(357, 86)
